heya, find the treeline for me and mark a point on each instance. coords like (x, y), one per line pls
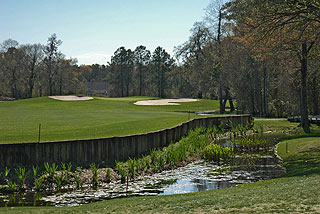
(264, 54)
(37, 70)
(140, 72)
(34, 70)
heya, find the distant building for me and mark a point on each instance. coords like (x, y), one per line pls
(95, 88)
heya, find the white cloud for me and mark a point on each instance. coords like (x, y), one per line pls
(93, 58)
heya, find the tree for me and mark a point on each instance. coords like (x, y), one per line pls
(293, 25)
(12, 60)
(141, 59)
(51, 59)
(121, 70)
(33, 57)
(162, 63)
(199, 60)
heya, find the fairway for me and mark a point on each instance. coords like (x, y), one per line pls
(98, 118)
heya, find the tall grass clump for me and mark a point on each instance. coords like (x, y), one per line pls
(122, 171)
(250, 143)
(168, 157)
(215, 152)
(108, 175)
(21, 176)
(94, 169)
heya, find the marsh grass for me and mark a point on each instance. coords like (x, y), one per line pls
(172, 156)
(21, 176)
(218, 153)
(94, 169)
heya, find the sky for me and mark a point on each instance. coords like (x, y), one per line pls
(92, 30)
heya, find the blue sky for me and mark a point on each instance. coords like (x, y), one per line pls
(91, 30)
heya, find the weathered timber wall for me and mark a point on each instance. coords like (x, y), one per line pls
(105, 149)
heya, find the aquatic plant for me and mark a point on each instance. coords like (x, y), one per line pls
(132, 165)
(108, 175)
(35, 171)
(78, 181)
(51, 170)
(94, 170)
(11, 185)
(38, 183)
(6, 172)
(21, 176)
(215, 152)
(250, 143)
(58, 181)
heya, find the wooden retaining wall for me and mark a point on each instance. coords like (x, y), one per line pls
(105, 149)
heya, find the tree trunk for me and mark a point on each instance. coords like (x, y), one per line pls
(140, 80)
(265, 96)
(226, 99)
(222, 109)
(303, 97)
(315, 96)
(231, 104)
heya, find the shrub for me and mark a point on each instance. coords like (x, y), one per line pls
(108, 175)
(215, 152)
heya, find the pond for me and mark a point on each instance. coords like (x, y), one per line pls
(194, 177)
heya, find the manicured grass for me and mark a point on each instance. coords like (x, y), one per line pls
(273, 123)
(302, 157)
(101, 117)
(297, 192)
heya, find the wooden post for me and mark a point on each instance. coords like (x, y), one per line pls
(39, 132)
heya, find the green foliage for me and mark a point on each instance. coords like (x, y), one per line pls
(6, 173)
(133, 165)
(250, 143)
(168, 157)
(21, 176)
(108, 176)
(215, 152)
(51, 170)
(58, 181)
(38, 183)
(11, 185)
(78, 181)
(35, 171)
(94, 170)
(122, 171)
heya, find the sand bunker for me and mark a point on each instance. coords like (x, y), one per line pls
(163, 102)
(70, 98)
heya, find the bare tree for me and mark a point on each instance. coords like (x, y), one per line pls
(33, 57)
(51, 60)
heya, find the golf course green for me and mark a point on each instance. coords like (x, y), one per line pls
(97, 118)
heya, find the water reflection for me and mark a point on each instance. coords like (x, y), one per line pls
(195, 185)
(194, 177)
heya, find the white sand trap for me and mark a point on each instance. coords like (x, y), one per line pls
(70, 98)
(163, 102)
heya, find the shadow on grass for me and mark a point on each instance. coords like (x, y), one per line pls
(314, 133)
(303, 164)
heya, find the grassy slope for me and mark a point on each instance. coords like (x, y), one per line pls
(273, 123)
(101, 117)
(297, 192)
